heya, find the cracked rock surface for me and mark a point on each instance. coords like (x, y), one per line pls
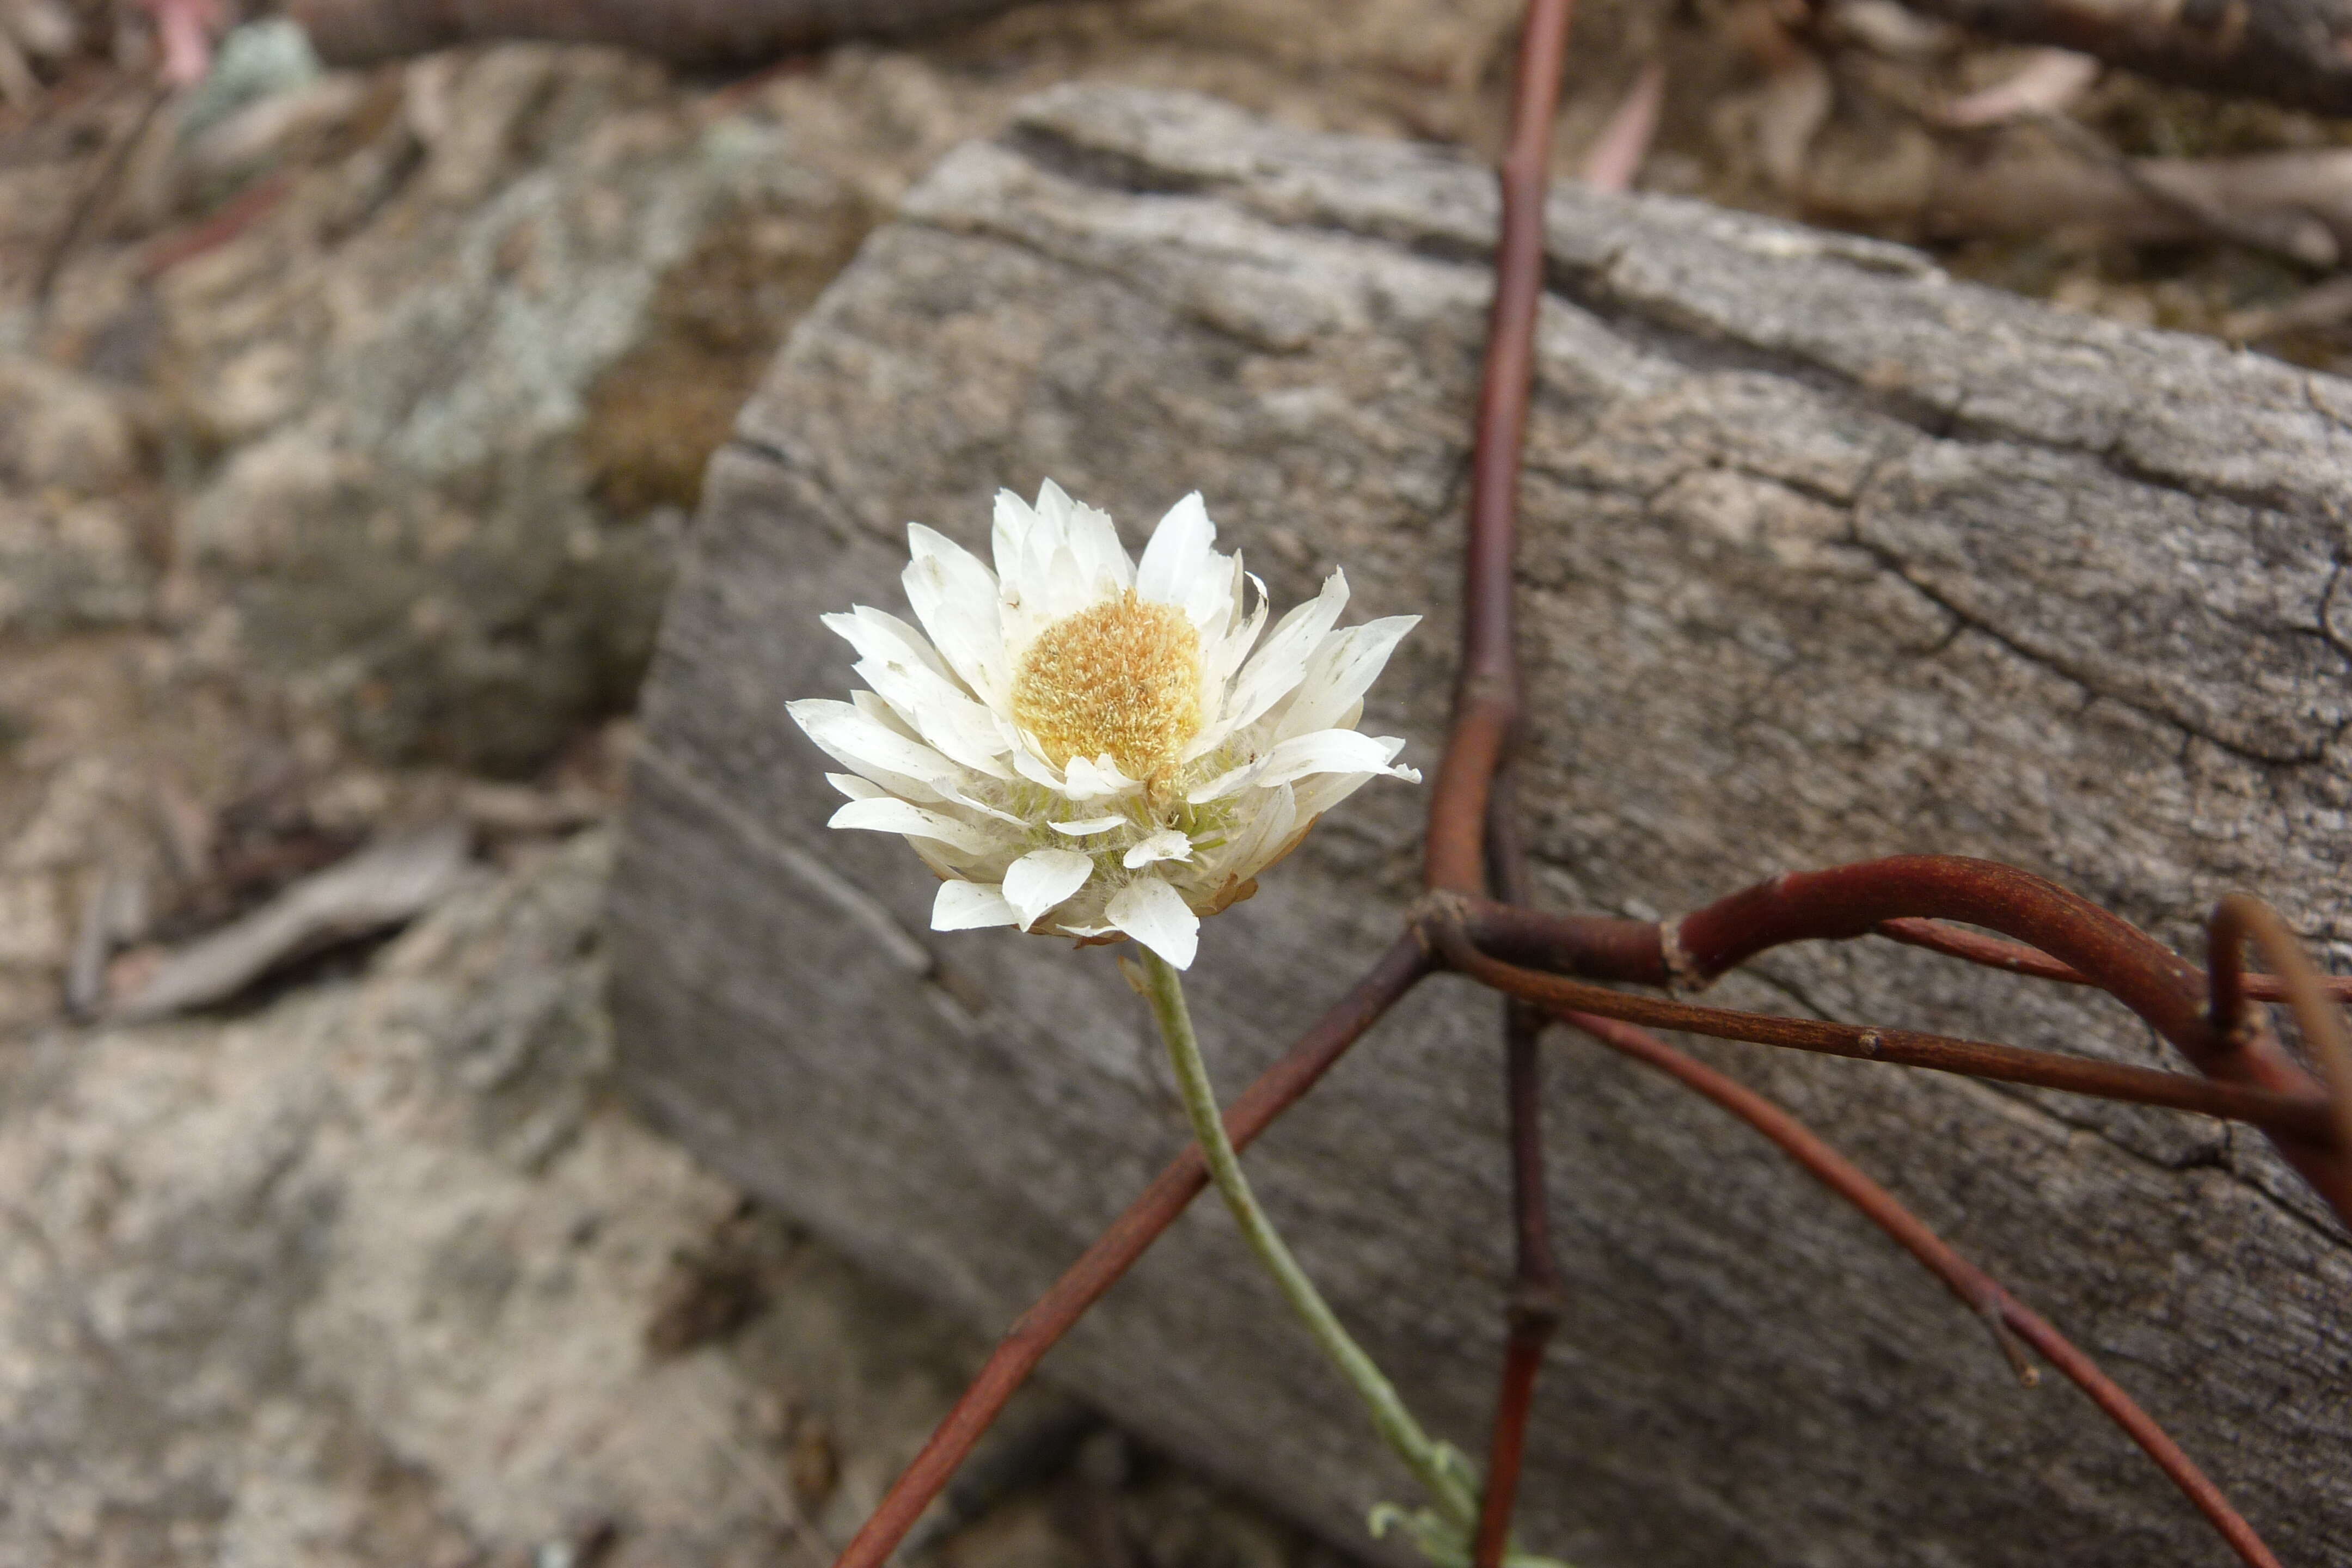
(1825, 557)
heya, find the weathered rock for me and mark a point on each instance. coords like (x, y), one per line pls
(284, 1290)
(70, 517)
(1825, 557)
(234, 577)
(383, 1274)
(432, 513)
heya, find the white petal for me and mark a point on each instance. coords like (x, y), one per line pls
(1036, 769)
(1221, 656)
(855, 788)
(1216, 604)
(1042, 878)
(1211, 604)
(1321, 752)
(1086, 824)
(1097, 779)
(1156, 915)
(943, 718)
(892, 738)
(1067, 587)
(1168, 843)
(1339, 673)
(921, 692)
(971, 802)
(1278, 668)
(967, 905)
(875, 632)
(1258, 841)
(1009, 543)
(1177, 554)
(885, 814)
(866, 746)
(1030, 588)
(1320, 792)
(1093, 537)
(955, 599)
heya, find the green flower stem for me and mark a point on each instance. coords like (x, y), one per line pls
(1423, 1456)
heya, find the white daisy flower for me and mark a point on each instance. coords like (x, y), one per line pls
(1085, 745)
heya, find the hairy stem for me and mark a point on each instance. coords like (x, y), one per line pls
(1395, 1424)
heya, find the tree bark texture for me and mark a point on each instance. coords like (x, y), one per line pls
(1825, 557)
(687, 31)
(2290, 51)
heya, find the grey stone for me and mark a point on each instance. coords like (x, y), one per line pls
(418, 514)
(383, 1274)
(1825, 557)
(70, 516)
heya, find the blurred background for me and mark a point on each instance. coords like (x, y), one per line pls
(357, 377)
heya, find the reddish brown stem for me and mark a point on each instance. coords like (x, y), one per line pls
(1487, 696)
(1847, 901)
(2238, 919)
(1972, 1285)
(2149, 978)
(2125, 1412)
(1116, 1250)
(1469, 795)
(1523, 1354)
(1851, 900)
(1534, 1308)
(1605, 947)
(1593, 947)
(1976, 947)
(2305, 1119)
(1998, 952)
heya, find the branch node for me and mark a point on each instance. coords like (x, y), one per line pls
(1439, 913)
(1535, 1308)
(1683, 975)
(2012, 1348)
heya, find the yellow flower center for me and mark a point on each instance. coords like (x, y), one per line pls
(1122, 677)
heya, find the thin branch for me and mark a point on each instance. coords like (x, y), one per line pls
(1486, 694)
(1114, 1251)
(1534, 1306)
(2144, 974)
(1473, 821)
(2009, 1319)
(1845, 902)
(1592, 947)
(2125, 1412)
(2305, 1119)
(2240, 919)
(1998, 952)
(1976, 947)
(1608, 947)
(1534, 1310)
(1852, 900)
